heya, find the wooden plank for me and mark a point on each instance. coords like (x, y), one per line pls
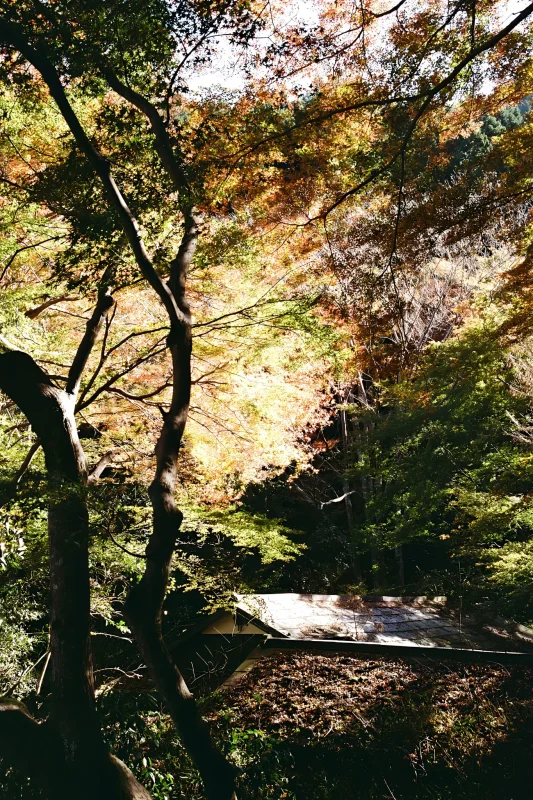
(373, 649)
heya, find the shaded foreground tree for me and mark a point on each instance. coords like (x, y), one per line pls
(67, 754)
(88, 770)
(69, 45)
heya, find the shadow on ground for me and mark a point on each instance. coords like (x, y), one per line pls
(314, 727)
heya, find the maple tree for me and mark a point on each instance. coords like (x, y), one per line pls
(135, 175)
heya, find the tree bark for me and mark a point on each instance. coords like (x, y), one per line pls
(143, 607)
(93, 327)
(33, 313)
(355, 559)
(86, 768)
(35, 750)
(398, 555)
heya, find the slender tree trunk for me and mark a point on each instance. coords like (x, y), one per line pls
(356, 564)
(143, 608)
(376, 567)
(398, 555)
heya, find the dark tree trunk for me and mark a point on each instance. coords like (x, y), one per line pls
(346, 488)
(398, 555)
(143, 608)
(35, 750)
(74, 743)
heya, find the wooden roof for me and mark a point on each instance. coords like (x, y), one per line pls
(416, 621)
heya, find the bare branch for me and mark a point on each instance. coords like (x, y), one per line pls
(379, 14)
(142, 556)
(33, 313)
(163, 144)
(26, 671)
(96, 472)
(103, 356)
(23, 248)
(109, 383)
(375, 102)
(27, 461)
(132, 335)
(338, 499)
(104, 303)
(140, 397)
(43, 673)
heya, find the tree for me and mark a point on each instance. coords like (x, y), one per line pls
(178, 149)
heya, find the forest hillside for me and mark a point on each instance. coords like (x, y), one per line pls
(266, 303)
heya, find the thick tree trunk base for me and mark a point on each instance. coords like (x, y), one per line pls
(34, 750)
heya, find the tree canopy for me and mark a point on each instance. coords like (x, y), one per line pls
(266, 335)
